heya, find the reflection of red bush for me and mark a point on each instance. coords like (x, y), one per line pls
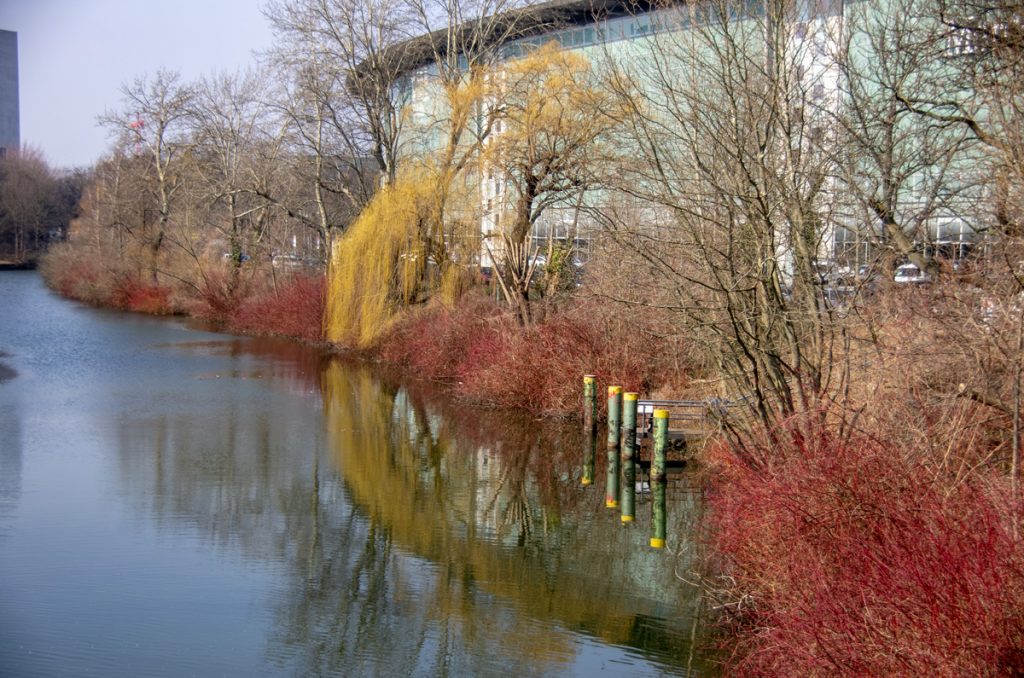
(493, 361)
(863, 559)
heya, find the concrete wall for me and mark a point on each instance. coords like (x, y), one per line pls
(10, 128)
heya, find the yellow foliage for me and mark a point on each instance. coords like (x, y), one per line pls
(402, 249)
(417, 236)
(549, 85)
(555, 113)
(378, 440)
(378, 262)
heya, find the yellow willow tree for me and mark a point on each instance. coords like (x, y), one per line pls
(417, 237)
(553, 113)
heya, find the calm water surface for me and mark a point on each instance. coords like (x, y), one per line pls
(177, 503)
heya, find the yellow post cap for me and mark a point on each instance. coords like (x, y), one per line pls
(627, 519)
(661, 414)
(657, 543)
(611, 503)
(614, 390)
(586, 481)
(588, 378)
(631, 396)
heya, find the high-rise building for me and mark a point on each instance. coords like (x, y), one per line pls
(10, 127)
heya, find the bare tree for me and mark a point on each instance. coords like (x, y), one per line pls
(153, 124)
(340, 61)
(323, 184)
(979, 90)
(729, 166)
(28, 193)
(904, 175)
(236, 152)
(552, 114)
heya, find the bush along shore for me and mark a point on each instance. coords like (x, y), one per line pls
(287, 306)
(475, 349)
(876, 533)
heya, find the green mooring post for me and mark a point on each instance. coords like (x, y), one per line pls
(589, 428)
(611, 495)
(590, 404)
(658, 480)
(628, 457)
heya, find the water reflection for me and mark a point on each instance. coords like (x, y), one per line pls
(10, 463)
(412, 536)
(497, 505)
(242, 469)
(181, 503)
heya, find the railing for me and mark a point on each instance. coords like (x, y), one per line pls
(684, 415)
(630, 420)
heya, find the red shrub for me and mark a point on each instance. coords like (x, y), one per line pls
(857, 558)
(432, 341)
(539, 368)
(294, 309)
(129, 293)
(78, 278)
(217, 299)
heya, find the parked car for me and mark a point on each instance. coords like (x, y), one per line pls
(910, 273)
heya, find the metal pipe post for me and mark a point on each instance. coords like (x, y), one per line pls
(590, 404)
(611, 495)
(658, 479)
(629, 457)
(589, 428)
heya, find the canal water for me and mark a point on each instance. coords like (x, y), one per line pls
(180, 503)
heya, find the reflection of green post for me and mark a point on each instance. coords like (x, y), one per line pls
(658, 479)
(611, 495)
(589, 428)
(589, 455)
(628, 456)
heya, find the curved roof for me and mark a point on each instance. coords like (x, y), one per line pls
(519, 23)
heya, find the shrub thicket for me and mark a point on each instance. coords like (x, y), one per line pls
(489, 359)
(861, 557)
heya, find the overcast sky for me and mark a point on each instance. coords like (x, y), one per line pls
(73, 56)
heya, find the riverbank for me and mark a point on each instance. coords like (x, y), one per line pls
(475, 348)
(17, 265)
(843, 541)
(175, 502)
(255, 302)
(486, 357)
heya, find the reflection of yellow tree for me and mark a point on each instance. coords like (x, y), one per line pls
(392, 565)
(552, 113)
(410, 478)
